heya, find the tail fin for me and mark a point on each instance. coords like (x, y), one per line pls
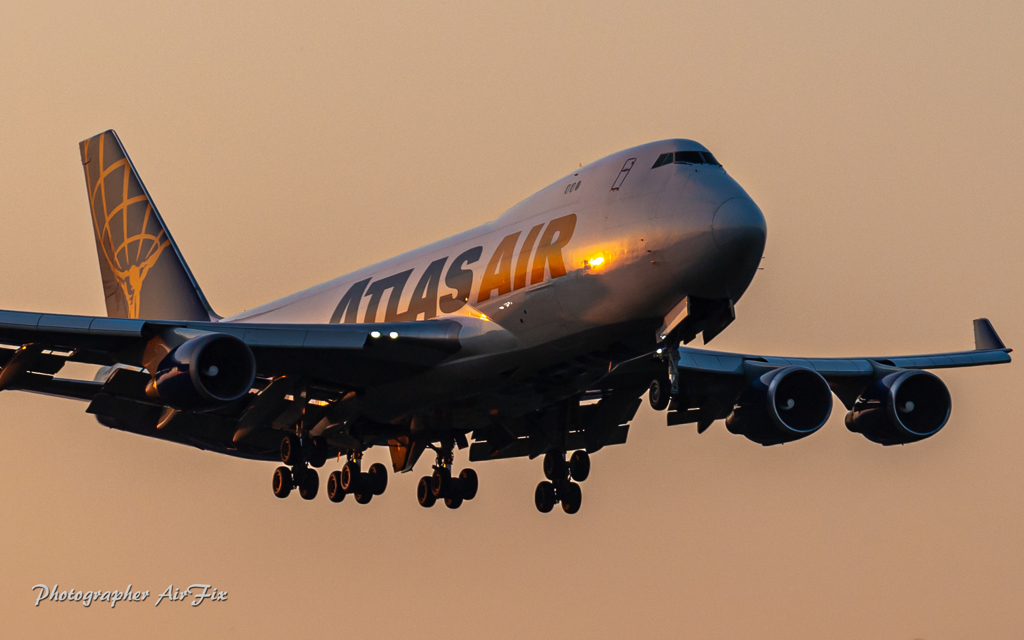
(144, 275)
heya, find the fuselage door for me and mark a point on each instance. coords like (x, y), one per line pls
(626, 168)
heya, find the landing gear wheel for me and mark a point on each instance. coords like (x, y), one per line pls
(350, 477)
(554, 465)
(454, 498)
(309, 484)
(469, 483)
(424, 495)
(579, 466)
(318, 453)
(441, 483)
(364, 498)
(282, 482)
(291, 450)
(334, 492)
(544, 497)
(378, 477)
(659, 393)
(572, 498)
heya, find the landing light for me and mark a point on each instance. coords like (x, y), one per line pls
(393, 335)
(375, 334)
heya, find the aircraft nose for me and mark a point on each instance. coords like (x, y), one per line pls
(739, 227)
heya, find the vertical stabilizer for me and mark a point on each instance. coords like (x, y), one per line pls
(144, 275)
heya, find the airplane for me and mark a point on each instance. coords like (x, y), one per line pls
(534, 335)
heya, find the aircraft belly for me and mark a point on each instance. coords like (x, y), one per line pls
(516, 381)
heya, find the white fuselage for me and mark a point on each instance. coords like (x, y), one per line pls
(616, 242)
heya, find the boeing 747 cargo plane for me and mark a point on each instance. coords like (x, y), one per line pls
(533, 335)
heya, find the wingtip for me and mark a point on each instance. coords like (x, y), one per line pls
(985, 336)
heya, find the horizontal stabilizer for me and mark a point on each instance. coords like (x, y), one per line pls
(985, 336)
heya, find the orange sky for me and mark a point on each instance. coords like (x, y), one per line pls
(289, 143)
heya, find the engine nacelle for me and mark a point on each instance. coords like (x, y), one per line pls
(903, 407)
(782, 405)
(205, 372)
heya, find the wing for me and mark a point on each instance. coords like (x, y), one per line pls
(329, 360)
(348, 354)
(711, 385)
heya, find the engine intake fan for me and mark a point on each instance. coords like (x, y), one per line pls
(903, 407)
(782, 405)
(205, 372)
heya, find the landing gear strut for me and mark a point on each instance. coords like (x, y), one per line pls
(442, 486)
(559, 486)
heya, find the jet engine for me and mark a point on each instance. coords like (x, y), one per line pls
(205, 372)
(903, 407)
(782, 405)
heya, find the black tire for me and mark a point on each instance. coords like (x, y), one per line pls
(291, 450)
(334, 492)
(364, 498)
(572, 498)
(544, 497)
(350, 477)
(282, 482)
(309, 484)
(318, 453)
(579, 466)
(441, 483)
(423, 493)
(554, 465)
(454, 498)
(659, 393)
(469, 483)
(378, 475)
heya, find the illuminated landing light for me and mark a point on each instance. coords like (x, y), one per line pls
(660, 351)
(393, 335)
(375, 334)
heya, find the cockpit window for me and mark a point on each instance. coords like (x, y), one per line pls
(689, 157)
(665, 158)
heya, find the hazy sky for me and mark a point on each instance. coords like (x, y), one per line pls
(288, 143)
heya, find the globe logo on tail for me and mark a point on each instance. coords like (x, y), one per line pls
(128, 232)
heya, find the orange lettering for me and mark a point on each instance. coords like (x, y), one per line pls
(498, 274)
(549, 250)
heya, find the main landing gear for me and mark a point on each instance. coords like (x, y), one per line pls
(351, 479)
(559, 486)
(300, 459)
(442, 486)
(339, 483)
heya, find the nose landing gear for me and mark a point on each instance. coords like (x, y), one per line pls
(559, 486)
